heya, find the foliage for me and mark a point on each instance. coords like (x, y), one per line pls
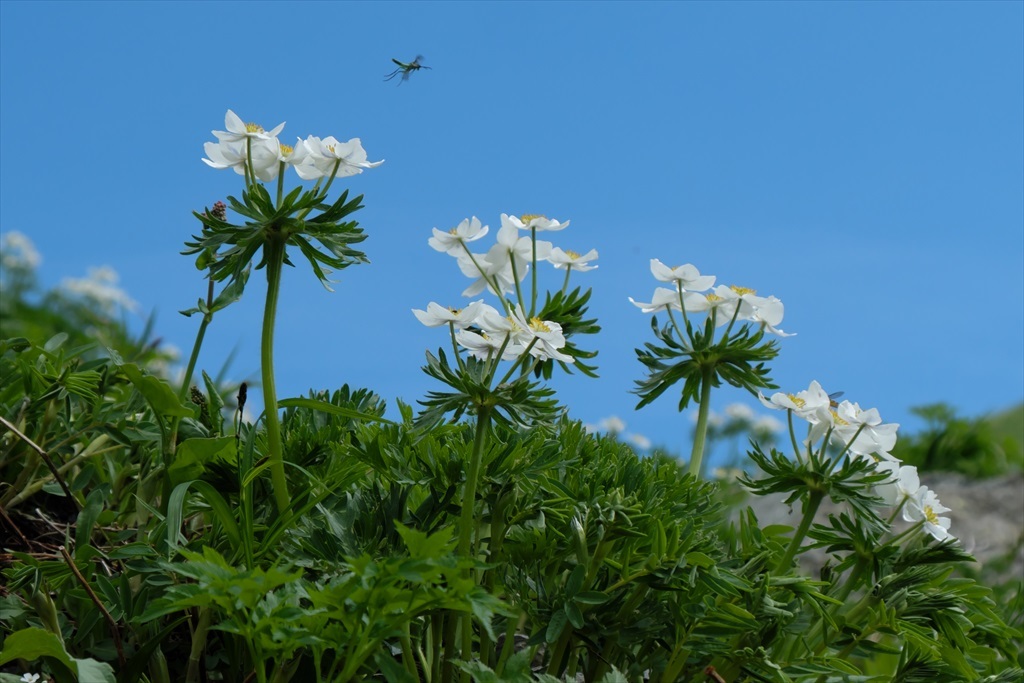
(489, 537)
(958, 444)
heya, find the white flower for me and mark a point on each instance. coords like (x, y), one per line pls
(266, 154)
(549, 340)
(768, 312)
(477, 266)
(572, 260)
(453, 242)
(924, 506)
(328, 154)
(862, 430)
(29, 678)
(533, 221)
(663, 300)
(504, 262)
(437, 315)
(903, 485)
(483, 345)
(687, 275)
(807, 404)
(239, 131)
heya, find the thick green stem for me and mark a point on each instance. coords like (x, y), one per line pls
(697, 455)
(805, 524)
(195, 657)
(274, 252)
(467, 523)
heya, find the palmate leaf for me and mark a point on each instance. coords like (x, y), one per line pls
(517, 402)
(568, 310)
(738, 359)
(233, 247)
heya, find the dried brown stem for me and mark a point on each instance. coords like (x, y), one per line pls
(96, 601)
(46, 458)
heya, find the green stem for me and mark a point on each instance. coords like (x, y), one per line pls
(207, 319)
(274, 253)
(533, 273)
(565, 284)
(467, 522)
(697, 455)
(195, 657)
(798, 538)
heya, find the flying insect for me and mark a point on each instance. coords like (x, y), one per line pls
(405, 68)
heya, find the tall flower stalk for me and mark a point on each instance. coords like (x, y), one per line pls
(292, 219)
(698, 355)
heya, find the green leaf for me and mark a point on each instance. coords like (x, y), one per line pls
(221, 510)
(574, 614)
(32, 643)
(192, 456)
(559, 619)
(157, 392)
(325, 407)
(88, 516)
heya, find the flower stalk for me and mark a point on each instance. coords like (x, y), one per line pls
(699, 439)
(274, 253)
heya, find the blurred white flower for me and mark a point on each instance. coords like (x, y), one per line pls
(639, 440)
(739, 411)
(767, 425)
(18, 251)
(612, 423)
(29, 678)
(101, 288)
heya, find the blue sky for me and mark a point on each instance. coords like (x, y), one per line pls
(864, 162)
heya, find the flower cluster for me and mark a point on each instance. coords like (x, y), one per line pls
(517, 330)
(249, 148)
(862, 434)
(725, 304)
(484, 332)
(507, 262)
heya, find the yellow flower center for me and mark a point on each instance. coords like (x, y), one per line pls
(527, 217)
(539, 325)
(455, 311)
(253, 128)
(713, 298)
(797, 401)
(742, 290)
(287, 150)
(930, 515)
(838, 420)
(572, 254)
